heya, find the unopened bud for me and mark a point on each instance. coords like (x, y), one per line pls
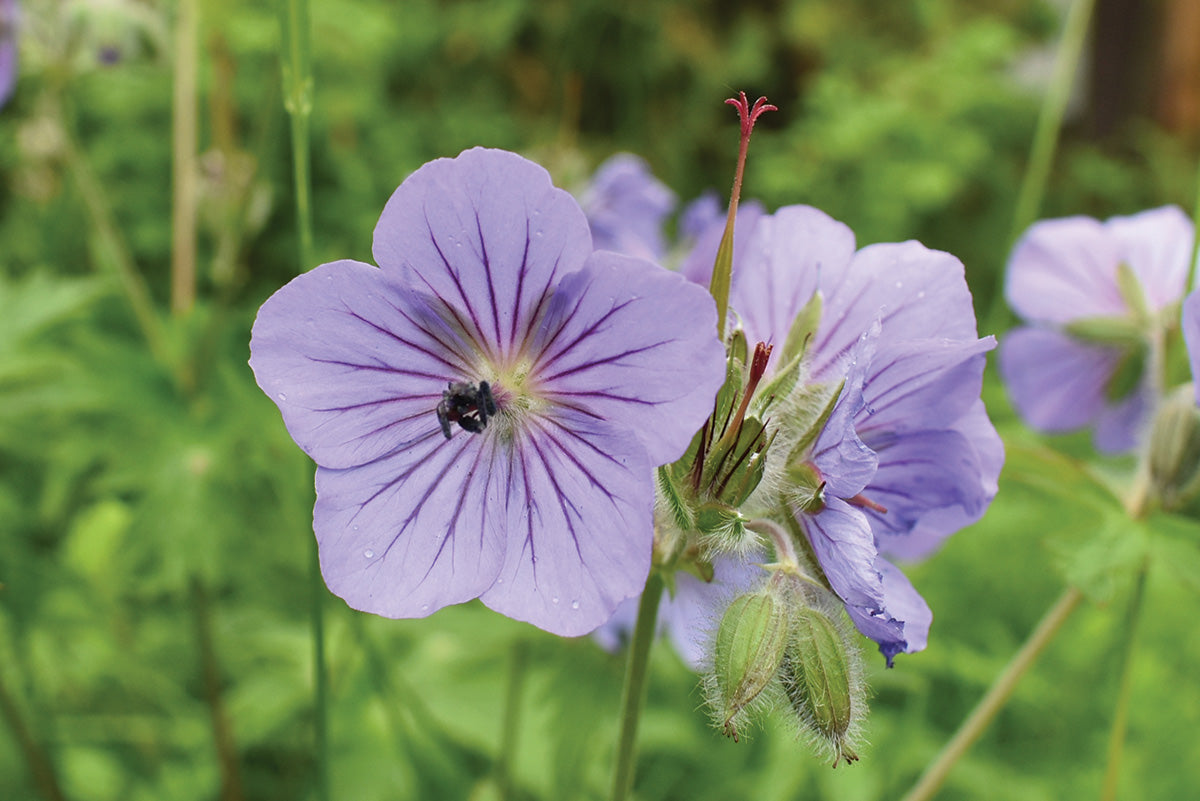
(751, 639)
(1175, 450)
(820, 674)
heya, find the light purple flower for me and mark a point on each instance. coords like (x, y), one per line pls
(8, 49)
(601, 367)
(625, 207)
(1064, 273)
(909, 434)
(1191, 337)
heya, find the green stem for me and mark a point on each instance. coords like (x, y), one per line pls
(296, 67)
(518, 670)
(113, 253)
(321, 676)
(996, 697)
(1045, 138)
(1191, 279)
(183, 162)
(1116, 737)
(227, 758)
(633, 696)
(41, 768)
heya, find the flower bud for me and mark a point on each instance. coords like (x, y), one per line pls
(749, 647)
(1174, 457)
(820, 673)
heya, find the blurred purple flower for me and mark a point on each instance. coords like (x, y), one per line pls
(600, 366)
(8, 49)
(625, 207)
(1064, 274)
(908, 456)
(1191, 337)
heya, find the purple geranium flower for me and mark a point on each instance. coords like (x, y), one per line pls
(625, 207)
(540, 501)
(8, 49)
(908, 456)
(1072, 280)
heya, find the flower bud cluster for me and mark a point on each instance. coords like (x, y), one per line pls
(785, 647)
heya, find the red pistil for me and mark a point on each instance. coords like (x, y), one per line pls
(748, 113)
(863, 502)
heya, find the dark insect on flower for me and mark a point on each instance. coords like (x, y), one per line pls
(467, 405)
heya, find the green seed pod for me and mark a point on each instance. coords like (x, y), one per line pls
(749, 648)
(820, 677)
(1175, 450)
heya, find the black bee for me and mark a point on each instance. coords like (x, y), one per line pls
(467, 405)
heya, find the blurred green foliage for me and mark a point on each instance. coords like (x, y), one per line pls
(155, 518)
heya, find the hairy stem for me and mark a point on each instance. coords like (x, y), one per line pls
(996, 697)
(633, 695)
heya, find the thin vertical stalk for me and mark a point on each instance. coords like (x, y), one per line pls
(996, 697)
(296, 68)
(1120, 724)
(1191, 279)
(231, 777)
(633, 695)
(518, 670)
(184, 121)
(41, 768)
(1045, 137)
(113, 254)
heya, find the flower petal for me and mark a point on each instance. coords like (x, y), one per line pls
(629, 342)
(1055, 382)
(897, 284)
(698, 265)
(922, 471)
(579, 522)
(625, 207)
(845, 548)
(1120, 426)
(356, 363)
(487, 233)
(903, 625)
(781, 267)
(1157, 245)
(417, 530)
(1064, 269)
(845, 463)
(921, 384)
(936, 524)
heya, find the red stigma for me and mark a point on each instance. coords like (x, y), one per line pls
(748, 113)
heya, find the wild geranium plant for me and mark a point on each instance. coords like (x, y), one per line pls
(505, 409)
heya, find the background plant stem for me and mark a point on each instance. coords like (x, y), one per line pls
(518, 669)
(296, 68)
(996, 697)
(1116, 737)
(183, 161)
(1045, 140)
(633, 695)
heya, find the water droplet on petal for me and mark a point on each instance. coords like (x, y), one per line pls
(921, 294)
(574, 604)
(282, 396)
(899, 285)
(369, 554)
(424, 607)
(500, 581)
(538, 234)
(533, 559)
(554, 600)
